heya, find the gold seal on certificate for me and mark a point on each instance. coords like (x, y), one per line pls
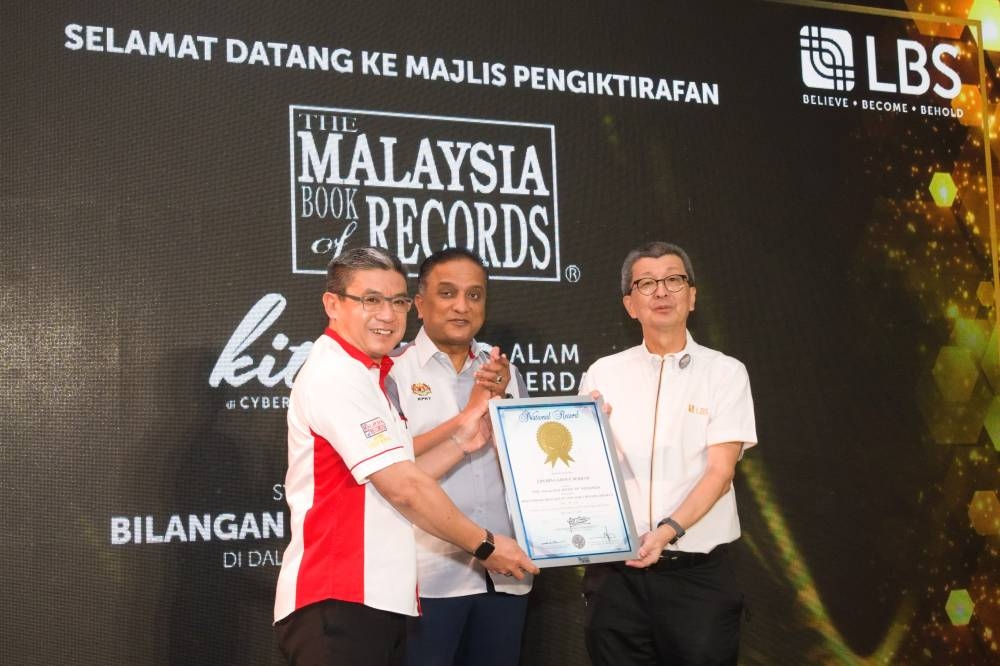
(566, 509)
(555, 440)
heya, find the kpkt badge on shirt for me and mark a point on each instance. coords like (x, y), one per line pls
(421, 390)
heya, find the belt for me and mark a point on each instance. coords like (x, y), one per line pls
(671, 560)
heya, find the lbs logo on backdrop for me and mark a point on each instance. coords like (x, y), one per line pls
(903, 76)
(415, 184)
(827, 58)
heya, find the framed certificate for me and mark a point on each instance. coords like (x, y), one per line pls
(563, 484)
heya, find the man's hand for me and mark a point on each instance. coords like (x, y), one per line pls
(651, 545)
(473, 427)
(420, 499)
(596, 395)
(508, 559)
(494, 375)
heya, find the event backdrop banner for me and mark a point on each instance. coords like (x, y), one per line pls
(177, 176)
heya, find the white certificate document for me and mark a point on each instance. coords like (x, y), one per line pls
(563, 485)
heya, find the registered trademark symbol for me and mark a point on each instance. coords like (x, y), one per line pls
(572, 273)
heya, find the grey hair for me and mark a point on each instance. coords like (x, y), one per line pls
(341, 269)
(653, 250)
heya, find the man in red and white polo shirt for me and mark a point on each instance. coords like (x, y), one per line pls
(348, 577)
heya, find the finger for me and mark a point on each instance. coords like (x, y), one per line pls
(487, 382)
(492, 379)
(643, 561)
(637, 564)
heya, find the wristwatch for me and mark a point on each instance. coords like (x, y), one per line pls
(485, 548)
(678, 530)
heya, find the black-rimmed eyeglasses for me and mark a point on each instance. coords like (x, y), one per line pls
(673, 283)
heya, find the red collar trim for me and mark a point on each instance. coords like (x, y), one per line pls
(352, 351)
(383, 366)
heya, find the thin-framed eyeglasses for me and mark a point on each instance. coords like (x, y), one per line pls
(673, 283)
(373, 301)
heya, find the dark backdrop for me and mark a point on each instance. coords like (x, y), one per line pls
(149, 202)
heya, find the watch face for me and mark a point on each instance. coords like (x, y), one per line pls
(484, 551)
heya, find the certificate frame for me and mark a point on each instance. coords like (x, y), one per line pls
(579, 511)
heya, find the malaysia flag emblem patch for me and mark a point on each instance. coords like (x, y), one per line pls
(374, 427)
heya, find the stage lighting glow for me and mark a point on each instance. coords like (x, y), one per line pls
(943, 189)
(988, 12)
(959, 607)
(984, 512)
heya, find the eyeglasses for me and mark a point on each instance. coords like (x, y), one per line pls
(673, 283)
(373, 302)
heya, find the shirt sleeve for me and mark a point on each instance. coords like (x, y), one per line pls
(354, 416)
(586, 385)
(516, 386)
(732, 417)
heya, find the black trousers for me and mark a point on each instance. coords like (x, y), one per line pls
(477, 629)
(685, 609)
(341, 632)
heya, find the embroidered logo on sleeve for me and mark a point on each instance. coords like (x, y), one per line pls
(380, 439)
(700, 411)
(374, 427)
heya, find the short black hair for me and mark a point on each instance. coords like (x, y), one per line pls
(444, 256)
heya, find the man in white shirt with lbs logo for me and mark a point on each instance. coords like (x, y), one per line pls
(681, 417)
(444, 378)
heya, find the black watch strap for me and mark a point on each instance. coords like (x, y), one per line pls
(678, 530)
(486, 548)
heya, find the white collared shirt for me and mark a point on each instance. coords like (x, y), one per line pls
(697, 402)
(430, 392)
